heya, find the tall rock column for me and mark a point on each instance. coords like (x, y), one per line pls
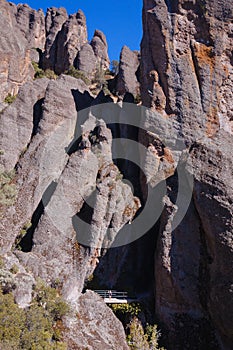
(186, 72)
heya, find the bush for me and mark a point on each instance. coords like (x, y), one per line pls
(36, 328)
(138, 339)
(7, 188)
(78, 74)
(10, 99)
(40, 73)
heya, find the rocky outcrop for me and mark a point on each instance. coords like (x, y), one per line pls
(32, 25)
(71, 38)
(67, 44)
(15, 59)
(55, 41)
(86, 60)
(127, 80)
(54, 20)
(186, 69)
(46, 238)
(100, 48)
(92, 333)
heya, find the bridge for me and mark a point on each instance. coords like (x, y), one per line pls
(114, 297)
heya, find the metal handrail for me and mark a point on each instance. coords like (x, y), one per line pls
(111, 294)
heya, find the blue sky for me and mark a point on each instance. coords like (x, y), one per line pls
(119, 20)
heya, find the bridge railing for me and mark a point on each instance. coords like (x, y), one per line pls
(111, 294)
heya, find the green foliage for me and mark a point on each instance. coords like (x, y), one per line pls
(40, 73)
(139, 339)
(12, 321)
(10, 99)
(36, 328)
(48, 298)
(78, 74)
(7, 283)
(7, 188)
(126, 312)
(132, 309)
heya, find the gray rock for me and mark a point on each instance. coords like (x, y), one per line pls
(40, 154)
(14, 53)
(18, 121)
(127, 79)
(86, 60)
(70, 39)
(32, 25)
(54, 20)
(101, 329)
(100, 48)
(193, 70)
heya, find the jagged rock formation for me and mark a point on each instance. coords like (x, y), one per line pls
(127, 80)
(57, 41)
(67, 181)
(50, 250)
(187, 45)
(14, 53)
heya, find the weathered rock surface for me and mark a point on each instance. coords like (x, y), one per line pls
(54, 20)
(127, 79)
(15, 60)
(70, 39)
(54, 41)
(54, 248)
(32, 25)
(100, 48)
(92, 333)
(19, 122)
(86, 60)
(186, 69)
(67, 184)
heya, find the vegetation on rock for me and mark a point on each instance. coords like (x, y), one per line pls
(8, 190)
(10, 99)
(40, 73)
(78, 74)
(139, 339)
(38, 327)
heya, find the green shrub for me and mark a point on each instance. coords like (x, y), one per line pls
(50, 74)
(139, 339)
(10, 99)
(40, 73)
(12, 321)
(78, 74)
(7, 188)
(37, 328)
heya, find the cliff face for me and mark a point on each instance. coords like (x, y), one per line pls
(186, 72)
(68, 191)
(57, 41)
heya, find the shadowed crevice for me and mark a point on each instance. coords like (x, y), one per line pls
(26, 242)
